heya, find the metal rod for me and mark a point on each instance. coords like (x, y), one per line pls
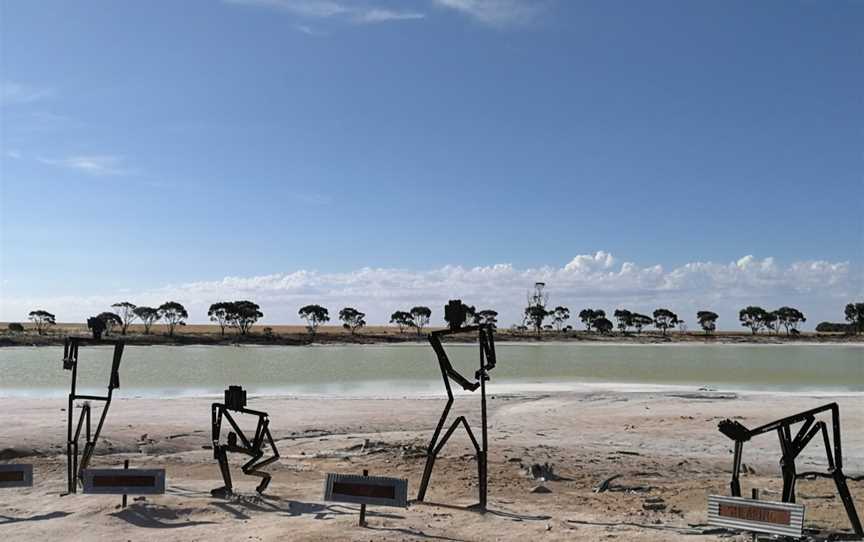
(363, 506)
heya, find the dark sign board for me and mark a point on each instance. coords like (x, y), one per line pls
(16, 475)
(372, 490)
(124, 481)
(756, 516)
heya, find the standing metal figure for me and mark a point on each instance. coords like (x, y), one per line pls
(487, 363)
(790, 449)
(74, 467)
(235, 400)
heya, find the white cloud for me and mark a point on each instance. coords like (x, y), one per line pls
(98, 165)
(818, 288)
(495, 12)
(329, 9)
(12, 93)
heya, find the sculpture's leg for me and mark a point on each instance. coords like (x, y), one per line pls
(735, 486)
(848, 503)
(431, 453)
(787, 464)
(221, 453)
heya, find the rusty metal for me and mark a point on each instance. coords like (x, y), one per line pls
(485, 333)
(74, 466)
(791, 447)
(235, 401)
(784, 519)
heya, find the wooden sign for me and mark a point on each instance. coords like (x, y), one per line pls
(16, 475)
(372, 490)
(756, 516)
(124, 481)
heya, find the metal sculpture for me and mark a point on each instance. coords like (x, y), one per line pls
(74, 466)
(791, 447)
(481, 376)
(235, 401)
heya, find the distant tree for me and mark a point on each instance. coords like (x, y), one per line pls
(126, 312)
(835, 327)
(314, 315)
(111, 321)
(420, 317)
(535, 314)
(603, 325)
(402, 319)
(855, 316)
(624, 318)
(147, 315)
(708, 321)
(753, 317)
(560, 315)
(218, 312)
(640, 321)
(268, 333)
(457, 313)
(790, 318)
(588, 316)
(487, 317)
(243, 315)
(15, 327)
(42, 320)
(536, 310)
(352, 318)
(664, 319)
(772, 321)
(97, 326)
(174, 315)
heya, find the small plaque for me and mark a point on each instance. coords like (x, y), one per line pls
(372, 490)
(756, 516)
(124, 481)
(16, 475)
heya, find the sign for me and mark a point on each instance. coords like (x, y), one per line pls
(124, 481)
(16, 475)
(373, 490)
(756, 516)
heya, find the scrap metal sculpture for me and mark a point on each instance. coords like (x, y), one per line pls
(791, 447)
(487, 363)
(235, 400)
(74, 466)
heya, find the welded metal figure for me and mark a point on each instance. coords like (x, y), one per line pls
(235, 401)
(448, 373)
(791, 447)
(74, 465)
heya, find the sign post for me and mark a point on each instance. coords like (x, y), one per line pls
(16, 475)
(778, 518)
(363, 490)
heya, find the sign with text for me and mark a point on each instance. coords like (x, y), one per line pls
(372, 490)
(16, 475)
(124, 481)
(756, 516)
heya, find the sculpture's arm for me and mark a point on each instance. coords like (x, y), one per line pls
(444, 361)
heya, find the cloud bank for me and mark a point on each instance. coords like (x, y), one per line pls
(819, 288)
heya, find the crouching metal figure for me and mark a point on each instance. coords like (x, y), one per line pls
(74, 467)
(487, 363)
(235, 400)
(791, 447)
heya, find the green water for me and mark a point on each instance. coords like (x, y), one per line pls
(409, 369)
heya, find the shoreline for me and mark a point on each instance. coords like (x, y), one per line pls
(329, 337)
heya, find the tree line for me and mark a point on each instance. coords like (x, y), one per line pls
(242, 315)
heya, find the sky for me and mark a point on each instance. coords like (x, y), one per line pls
(384, 154)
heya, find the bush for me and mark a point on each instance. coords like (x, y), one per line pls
(834, 327)
(16, 327)
(268, 333)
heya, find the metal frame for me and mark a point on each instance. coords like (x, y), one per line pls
(253, 447)
(90, 485)
(485, 334)
(791, 447)
(74, 466)
(24, 474)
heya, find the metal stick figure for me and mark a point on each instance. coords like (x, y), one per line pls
(74, 468)
(791, 447)
(487, 363)
(235, 400)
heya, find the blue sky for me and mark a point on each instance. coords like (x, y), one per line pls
(167, 148)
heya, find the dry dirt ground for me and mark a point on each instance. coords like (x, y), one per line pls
(662, 445)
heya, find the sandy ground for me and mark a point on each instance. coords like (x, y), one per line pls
(662, 444)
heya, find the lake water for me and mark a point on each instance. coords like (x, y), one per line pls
(412, 368)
